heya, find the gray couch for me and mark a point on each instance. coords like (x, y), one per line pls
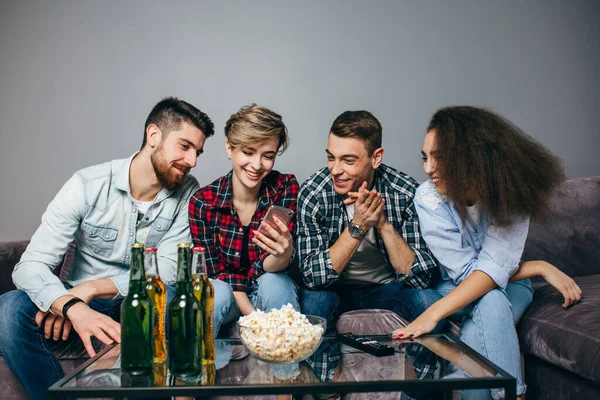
(561, 347)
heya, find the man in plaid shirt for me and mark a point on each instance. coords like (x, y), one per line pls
(358, 237)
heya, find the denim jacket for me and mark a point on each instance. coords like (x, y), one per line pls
(95, 207)
(461, 248)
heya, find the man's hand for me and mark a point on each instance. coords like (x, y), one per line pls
(368, 206)
(88, 323)
(54, 325)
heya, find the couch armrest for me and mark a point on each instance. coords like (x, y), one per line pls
(10, 254)
(569, 237)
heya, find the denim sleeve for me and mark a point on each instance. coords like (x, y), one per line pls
(312, 243)
(33, 274)
(121, 281)
(500, 253)
(178, 233)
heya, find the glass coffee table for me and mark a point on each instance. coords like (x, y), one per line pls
(432, 366)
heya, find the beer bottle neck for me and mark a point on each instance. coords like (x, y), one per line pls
(184, 271)
(137, 275)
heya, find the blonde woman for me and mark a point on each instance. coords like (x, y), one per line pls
(247, 266)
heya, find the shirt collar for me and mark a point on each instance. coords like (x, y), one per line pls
(268, 189)
(122, 180)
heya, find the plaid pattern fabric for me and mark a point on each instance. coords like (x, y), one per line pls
(325, 360)
(215, 225)
(322, 219)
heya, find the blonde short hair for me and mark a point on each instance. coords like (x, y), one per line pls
(253, 124)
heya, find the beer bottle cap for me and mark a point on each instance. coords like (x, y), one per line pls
(137, 246)
(150, 249)
(198, 249)
(184, 245)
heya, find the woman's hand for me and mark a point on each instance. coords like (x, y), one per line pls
(563, 283)
(280, 244)
(425, 323)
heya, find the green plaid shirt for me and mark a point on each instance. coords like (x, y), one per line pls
(322, 219)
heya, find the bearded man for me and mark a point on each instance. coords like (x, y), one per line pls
(104, 209)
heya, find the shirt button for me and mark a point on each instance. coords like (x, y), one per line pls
(241, 229)
(130, 233)
(127, 257)
(158, 226)
(107, 236)
(237, 254)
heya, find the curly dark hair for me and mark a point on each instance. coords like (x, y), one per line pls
(484, 157)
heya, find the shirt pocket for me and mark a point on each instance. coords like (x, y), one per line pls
(158, 229)
(100, 239)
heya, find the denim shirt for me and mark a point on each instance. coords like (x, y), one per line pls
(95, 207)
(461, 248)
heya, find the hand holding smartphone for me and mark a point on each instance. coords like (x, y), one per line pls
(283, 214)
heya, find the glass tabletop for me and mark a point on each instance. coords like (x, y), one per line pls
(431, 363)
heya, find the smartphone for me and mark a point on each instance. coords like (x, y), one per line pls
(283, 214)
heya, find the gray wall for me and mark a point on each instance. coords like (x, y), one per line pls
(78, 78)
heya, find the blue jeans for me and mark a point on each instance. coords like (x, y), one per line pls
(408, 303)
(271, 290)
(488, 327)
(331, 303)
(28, 354)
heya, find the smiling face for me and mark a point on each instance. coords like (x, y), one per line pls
(252, 162)
(350, 164)
(430, 156)
(176, 154)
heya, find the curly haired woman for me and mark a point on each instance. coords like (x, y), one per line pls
(487, 179)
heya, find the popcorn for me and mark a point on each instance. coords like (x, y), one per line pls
(280, 335)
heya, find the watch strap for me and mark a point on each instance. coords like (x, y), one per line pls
(70, 304)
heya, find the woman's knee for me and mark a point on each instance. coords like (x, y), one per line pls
(223, 295)
(277, 287)
(494, 301)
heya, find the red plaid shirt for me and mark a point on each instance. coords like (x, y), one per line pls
(214, 224)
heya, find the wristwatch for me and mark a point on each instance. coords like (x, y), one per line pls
(355, 230)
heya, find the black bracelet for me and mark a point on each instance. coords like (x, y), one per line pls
(70, 304)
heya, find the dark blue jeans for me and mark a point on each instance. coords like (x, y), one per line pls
(331, 302)
(336, 299)
(28, 354)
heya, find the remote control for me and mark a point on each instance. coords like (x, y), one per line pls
(366, 344)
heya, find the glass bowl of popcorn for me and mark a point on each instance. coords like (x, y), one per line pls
(282, 336)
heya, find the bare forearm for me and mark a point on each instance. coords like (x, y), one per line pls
(243, 303)
(342, 251)
(276, 264)
(476, 285)
(100, 288)
(528, 269)
(401, 254)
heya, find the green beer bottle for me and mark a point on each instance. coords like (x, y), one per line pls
(185, 358)
(137, 320)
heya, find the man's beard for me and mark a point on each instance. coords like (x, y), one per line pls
(167, 178)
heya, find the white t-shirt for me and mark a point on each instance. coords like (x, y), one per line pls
(142, 231)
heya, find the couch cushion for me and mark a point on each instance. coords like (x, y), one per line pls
(568, 338)
(10, 254)
(570, 237)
